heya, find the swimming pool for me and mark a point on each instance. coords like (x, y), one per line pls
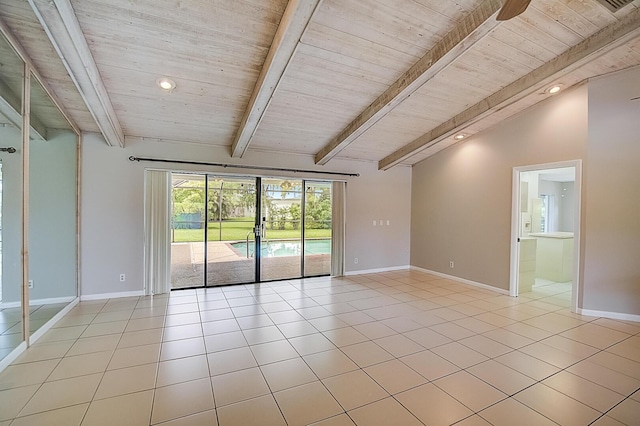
(285, 248)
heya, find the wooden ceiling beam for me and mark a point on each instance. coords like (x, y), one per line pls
(473, 28)
(292, 26)
(63, 29)
(600, 43)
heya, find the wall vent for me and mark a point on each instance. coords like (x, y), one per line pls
(614, 5)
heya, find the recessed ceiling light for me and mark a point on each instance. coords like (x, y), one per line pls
(166, 83)
(554, 89)
(460, 136)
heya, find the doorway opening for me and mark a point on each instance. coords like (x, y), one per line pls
(238, 230)
(545, 231)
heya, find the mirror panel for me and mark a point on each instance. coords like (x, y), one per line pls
(52, 209)
(11, 80)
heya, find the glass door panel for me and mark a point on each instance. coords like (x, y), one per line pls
(280, 253)
(317, 229)
(187, 230)
(231, 212)
(293, 216)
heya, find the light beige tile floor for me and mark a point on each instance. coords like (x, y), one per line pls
(11, 325)
(401, 348)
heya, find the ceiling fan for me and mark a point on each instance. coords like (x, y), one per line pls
(512, 8)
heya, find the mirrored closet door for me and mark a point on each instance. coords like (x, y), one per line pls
(53, 159)
(11, 314)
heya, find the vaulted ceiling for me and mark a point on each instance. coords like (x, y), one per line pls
(390, 81)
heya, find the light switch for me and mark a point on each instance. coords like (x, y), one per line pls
(388, 222)
(374, 222)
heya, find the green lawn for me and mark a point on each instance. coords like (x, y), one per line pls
(237, 231)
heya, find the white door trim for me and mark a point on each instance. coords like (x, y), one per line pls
(515, 225)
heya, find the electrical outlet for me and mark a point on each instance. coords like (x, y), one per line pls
(355, 260)
(30, 284)
(122, 277)
(451, 264)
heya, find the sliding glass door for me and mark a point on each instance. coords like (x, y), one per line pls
(231, 218)
(281, 244)
(187, 230)
(256, 229)
(317, 228)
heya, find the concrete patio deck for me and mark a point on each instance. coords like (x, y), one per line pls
(226, 266)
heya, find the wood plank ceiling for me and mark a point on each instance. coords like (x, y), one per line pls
(25, 27)
(348, 55)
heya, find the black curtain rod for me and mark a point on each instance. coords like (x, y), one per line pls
(239, 166)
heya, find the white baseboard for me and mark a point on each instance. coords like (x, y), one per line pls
(611, 315)
(52, 300)
(57, 317)
(461, 280)
(35, 336)
(121, 294)
(35, 302)
(4, 362)
(377, 270)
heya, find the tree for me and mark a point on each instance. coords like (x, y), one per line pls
(188, 205)
(318, 208)
(218, 209)
(295, 213)
(281, 215)
(285, 187)
(237, 198)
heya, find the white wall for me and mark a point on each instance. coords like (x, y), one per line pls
(461, 197)
(563, 214)
(612, 205)
(567, 201)
(553, 189)
(112, 238)
(533, 180)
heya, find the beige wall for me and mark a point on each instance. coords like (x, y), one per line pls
(461, 197)
(458, 203)
(112, 238)
(612, 205)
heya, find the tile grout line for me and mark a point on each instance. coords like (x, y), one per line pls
(400, 303)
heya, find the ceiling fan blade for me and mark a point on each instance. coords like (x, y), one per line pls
(512, 8)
